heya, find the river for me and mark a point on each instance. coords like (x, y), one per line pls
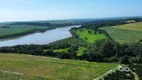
(39, 37)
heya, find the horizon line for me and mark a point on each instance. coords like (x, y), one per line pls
(68, 19)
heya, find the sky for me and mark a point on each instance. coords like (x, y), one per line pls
(26, 10)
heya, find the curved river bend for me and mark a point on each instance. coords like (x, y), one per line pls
(40, 38)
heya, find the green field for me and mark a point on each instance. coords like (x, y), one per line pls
(14, 29)
(12, 76)
(58, 50)
(53, 68)
(61, 50)
(89, 37)
(81, 51)
(125, 33)
(133, 26)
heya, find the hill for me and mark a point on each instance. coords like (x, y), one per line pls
(127, 33)
(53, 68)
(133, 26)
(5, 75)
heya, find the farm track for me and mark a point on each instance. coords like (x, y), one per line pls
(113, 70)
(4, 71)
(135, 75)
(105, 74)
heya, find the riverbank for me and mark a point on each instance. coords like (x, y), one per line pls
(23, 33)
(37, 37)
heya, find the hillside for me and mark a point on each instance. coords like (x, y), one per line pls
(53, 68)
(132, 26)
(5, 75)
(127, 33)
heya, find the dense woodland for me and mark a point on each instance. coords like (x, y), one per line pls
(137, 68)
(106, 50)
(118, 75)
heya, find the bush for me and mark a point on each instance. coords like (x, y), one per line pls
(124, 60)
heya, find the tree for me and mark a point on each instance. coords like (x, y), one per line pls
(124, 60)
(86, 38)
(107, 49)
(94, 32)
(89, 31)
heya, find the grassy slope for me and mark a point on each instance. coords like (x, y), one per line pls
(18, 29)
(90, 37)
(133, 26)
(53, 68)
(58, 50)
(11, 76)
(124, 35)
(61, 50)
(81, 51)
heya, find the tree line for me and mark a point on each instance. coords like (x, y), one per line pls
(106, 50)
(41, 24)
(44, 24)
(24, 33)
(101, 51)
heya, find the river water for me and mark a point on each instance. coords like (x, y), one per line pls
(39, 37)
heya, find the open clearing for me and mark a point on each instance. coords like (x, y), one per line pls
(133, 26)
(14, 29)
(88, 35)
(53, 68)
(81, 51)
(11, 76)
(61, 50)
(125, 33)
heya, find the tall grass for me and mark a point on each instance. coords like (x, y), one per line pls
(123, 35)
(53, 68)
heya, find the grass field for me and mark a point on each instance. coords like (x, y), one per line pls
(124, 36)
(125, 33)
(12, 76)
(61, 50)
(58, 50)
(133, 26)
(89, 37)
(81, 51)
(14, 29)
(53, 68)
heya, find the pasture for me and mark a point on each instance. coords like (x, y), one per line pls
(61, 50)
(132, 26)
(58, 50)
(89, 35)
(53, 68)
(15, 29)
(12, 76)
(123, 36)
(81, 51)
(127, 33)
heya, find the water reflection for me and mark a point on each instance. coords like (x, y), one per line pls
(40, 38)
